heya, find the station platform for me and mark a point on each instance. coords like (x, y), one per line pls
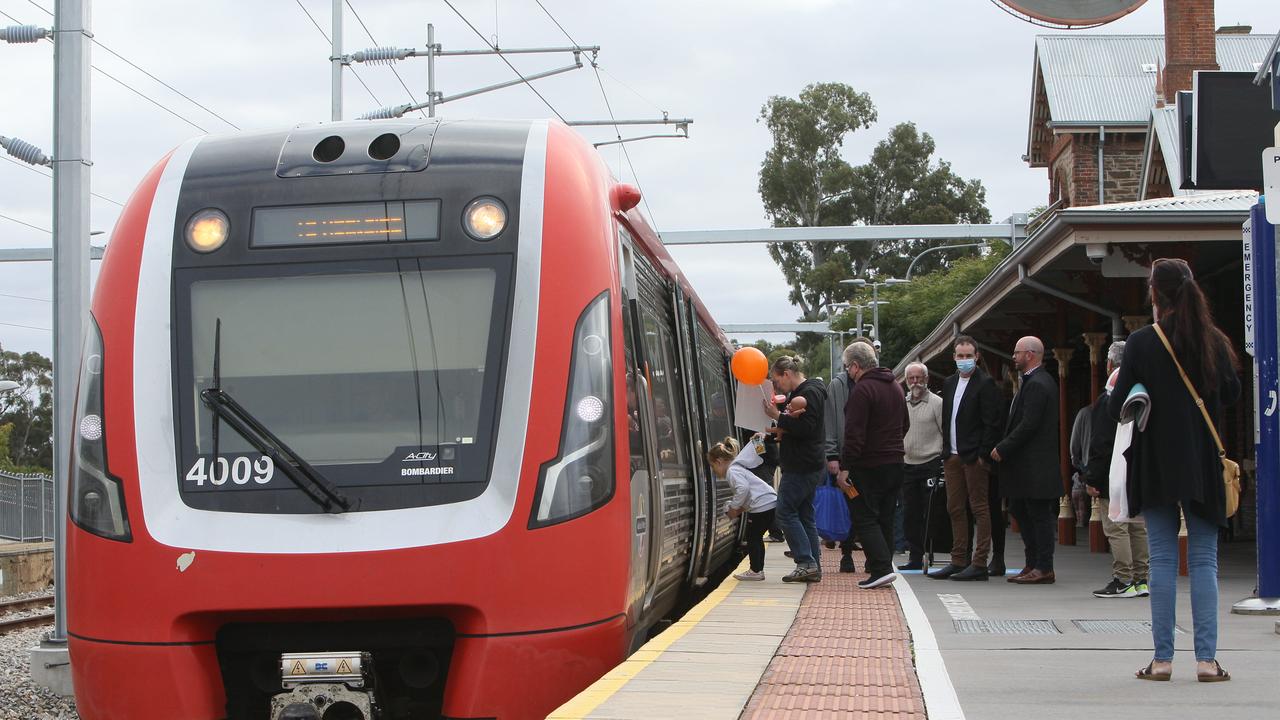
(937, 649)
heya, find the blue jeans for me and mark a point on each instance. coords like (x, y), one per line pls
(795, 515)
(1202, 563)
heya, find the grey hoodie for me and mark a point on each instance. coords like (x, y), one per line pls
(837, 395)
(750, 493)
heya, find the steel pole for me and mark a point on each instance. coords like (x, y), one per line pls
(858, 332)
(875, 310)
(335, 69)
(431, 70)
(70, 259)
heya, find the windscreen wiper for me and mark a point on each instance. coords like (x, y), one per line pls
(307, 478)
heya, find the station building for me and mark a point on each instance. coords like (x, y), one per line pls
(1100, 126)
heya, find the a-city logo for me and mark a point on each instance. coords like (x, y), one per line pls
(419, 457)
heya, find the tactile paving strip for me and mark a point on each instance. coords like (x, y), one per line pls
(848, 654)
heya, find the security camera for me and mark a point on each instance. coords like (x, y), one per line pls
(1097, 252)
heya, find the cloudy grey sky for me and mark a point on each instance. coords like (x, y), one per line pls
(960, 69)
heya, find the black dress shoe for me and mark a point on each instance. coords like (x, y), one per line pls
(973, 572)
(946, 572)
(913, 565)
(996, 571)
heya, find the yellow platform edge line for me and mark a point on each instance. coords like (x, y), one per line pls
(601, 690)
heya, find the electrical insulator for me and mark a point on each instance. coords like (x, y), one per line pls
(381, 55)
(25, 151)
(24, 33)
(386, 113)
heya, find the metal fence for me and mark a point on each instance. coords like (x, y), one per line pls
(26, 507)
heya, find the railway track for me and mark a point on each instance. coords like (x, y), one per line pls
(9, 624)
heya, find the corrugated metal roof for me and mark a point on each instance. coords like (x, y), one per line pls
(1229, 201)
(1098, 79)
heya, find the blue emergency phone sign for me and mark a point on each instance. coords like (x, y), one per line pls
(1262, 267)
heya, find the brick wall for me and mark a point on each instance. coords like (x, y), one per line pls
(1189, 42)
(1073, 174)
(1122, 166)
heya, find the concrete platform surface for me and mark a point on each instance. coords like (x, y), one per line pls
(756, 650)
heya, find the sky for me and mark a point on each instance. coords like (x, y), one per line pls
(960, 69)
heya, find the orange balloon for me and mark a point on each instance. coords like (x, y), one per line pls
(750, 366)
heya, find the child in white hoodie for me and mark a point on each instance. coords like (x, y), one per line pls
(750, 495)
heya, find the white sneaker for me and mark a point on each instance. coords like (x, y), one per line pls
(749, 575)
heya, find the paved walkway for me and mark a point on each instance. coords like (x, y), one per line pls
(770, 650)
(938, 649)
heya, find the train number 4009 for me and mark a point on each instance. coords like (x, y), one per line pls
(239, 470)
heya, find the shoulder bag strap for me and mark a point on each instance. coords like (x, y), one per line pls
(1222, 452)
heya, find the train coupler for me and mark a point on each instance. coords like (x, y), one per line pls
(325, 686)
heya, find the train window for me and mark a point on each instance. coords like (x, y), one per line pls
(378, 378)
(346, 223)
(717, 394)
(666, 406)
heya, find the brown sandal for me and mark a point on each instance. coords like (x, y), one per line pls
(1147, 673)
(1219, 674)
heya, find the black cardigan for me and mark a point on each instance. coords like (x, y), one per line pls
(1175, 459)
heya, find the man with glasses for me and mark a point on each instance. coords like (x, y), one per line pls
(1029, 462)
(837, 396)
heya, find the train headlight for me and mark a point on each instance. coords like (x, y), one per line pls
(581, 476)
(485, 218)
(207, 230)
(97, 497)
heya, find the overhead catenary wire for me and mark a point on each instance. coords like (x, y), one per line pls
(43, 174)
(29, 327)
(325, 35)
(608, 106)
(23, 222)
(127, 86)
(393, 67)
(504, 59)
(25, 297)
(135, 66)
(635, 92)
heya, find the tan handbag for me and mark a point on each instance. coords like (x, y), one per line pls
(1230, 468)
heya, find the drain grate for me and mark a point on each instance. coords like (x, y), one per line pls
(1118, 627)
(1006, 627)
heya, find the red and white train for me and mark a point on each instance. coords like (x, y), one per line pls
(385, 420)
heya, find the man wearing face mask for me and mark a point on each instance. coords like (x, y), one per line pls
(971, 412)
(923, 457)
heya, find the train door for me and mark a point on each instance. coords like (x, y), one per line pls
(657, 334)
(646, 483)
(700, 473)
(717, 424)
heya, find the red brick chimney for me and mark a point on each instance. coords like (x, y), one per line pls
(1189, 43)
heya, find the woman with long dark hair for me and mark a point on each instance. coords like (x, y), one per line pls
(1173, 463)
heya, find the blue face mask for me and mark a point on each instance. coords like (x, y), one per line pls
(966, 366)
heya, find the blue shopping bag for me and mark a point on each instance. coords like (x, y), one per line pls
(831, 512)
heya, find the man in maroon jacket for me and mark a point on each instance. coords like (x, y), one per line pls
(875, 421)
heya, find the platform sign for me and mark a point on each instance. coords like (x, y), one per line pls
(1271, 183)
(1248, 287)
(1266, 412)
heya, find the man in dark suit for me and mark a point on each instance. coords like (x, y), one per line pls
(1030, 476)
(971, 421)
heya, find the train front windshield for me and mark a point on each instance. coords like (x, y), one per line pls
(383, 377)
